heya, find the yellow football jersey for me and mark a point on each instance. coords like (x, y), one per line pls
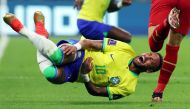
(94, 10)
(111, 68)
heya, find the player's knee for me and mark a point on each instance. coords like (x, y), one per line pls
(57, 57)
(52, 74)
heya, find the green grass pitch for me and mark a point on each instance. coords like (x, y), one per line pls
(22, 86)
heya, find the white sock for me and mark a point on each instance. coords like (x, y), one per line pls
(43, 61)
(46, 66)
(44, 46)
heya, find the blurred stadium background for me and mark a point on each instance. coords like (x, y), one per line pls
(23, 87)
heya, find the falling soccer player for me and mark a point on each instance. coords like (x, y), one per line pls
(108, 68)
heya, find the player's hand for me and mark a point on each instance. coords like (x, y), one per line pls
(87, 65)
(78, 4)
(157, 97)
(126, 2)
(69, 49)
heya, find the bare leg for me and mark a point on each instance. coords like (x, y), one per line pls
(119, 34)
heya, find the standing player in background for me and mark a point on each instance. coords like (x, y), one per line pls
(167, 18)
(90, 19)
(109, 68)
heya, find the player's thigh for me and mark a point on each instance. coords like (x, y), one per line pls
(93, 29)
(159, 11)
(183, 5)
(175, 38)
(58, 74)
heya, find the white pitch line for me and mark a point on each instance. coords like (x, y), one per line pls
(4, 38)
(3, 44)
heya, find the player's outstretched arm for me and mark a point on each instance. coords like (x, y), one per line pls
(82, 44)
(91, 88)
(116, 5)
(91, 44)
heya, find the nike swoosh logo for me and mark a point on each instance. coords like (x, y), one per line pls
(111, 55)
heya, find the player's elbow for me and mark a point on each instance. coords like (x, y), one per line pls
(112, 9)
(127, 3)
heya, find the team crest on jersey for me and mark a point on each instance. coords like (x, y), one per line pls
(112, 42)
(115, 80)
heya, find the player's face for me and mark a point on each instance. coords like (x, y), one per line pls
(147, 61)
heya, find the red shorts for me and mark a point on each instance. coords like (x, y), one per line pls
(161, 8)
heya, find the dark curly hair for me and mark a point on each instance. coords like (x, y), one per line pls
(160, 65)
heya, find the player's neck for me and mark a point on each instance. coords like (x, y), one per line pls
(133, 68)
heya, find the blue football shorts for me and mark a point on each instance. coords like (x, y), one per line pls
(93, 29)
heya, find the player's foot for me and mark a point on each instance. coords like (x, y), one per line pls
(39, 21)
(173, 18)
(39, 17)
(13, 22)
(157, 97)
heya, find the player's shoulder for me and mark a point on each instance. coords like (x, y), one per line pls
(130, 82)
(114, 41)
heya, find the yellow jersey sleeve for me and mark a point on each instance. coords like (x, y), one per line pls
(126, 88)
